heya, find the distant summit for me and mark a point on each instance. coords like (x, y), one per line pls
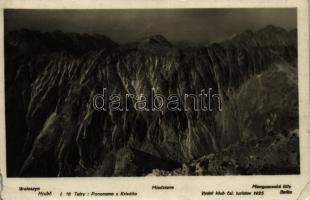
(156, 40)
(44, 42)
(267, 36)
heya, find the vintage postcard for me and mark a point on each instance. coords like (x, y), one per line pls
(184, 100)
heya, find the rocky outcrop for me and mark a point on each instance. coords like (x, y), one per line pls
(271, 154)
(53, 128)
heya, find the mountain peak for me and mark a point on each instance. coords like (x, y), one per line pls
(271, 29)
(156, 40)
(34, 40)
(269, 35)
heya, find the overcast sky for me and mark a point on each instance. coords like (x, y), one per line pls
(175, 24)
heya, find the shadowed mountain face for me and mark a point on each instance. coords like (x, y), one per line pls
(53, 129)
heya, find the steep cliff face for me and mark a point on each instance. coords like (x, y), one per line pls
(53, 128)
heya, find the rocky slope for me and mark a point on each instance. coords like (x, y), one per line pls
(53, 129)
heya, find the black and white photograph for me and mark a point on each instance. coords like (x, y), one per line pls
(151, 92)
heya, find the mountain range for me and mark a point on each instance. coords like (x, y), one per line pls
(52, 128)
